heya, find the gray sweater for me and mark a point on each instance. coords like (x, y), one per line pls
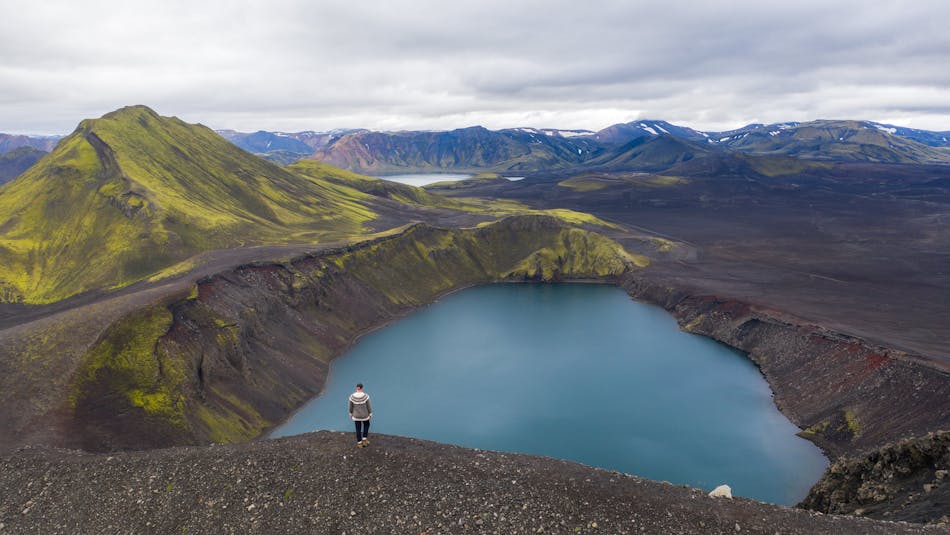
(360, 409)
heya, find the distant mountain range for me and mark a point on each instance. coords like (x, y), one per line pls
(19, 152)
(9, 142)
(283, 147)
(839, 140)
(466, 149)
(643, 145)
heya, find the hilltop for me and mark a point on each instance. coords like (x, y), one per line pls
(321, 483)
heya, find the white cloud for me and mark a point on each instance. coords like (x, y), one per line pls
(424, 64)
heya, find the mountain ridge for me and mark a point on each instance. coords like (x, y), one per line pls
(911, 145)
(528, 150)
(832, 140)
(282, 147)
(471, 148)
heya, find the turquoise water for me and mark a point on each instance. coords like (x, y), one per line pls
(579, 372)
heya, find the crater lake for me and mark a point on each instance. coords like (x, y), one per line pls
(578, 372)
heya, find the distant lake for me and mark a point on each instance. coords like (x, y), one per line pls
(426, 179)
(578, 372)
(421, 179)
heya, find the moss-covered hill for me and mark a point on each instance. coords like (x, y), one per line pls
(249, 345)
(132, 192)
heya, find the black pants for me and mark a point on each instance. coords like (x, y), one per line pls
(362, 430)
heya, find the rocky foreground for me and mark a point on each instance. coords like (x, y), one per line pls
(322, 483)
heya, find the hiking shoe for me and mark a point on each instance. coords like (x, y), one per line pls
(359, 444)
(365, 442)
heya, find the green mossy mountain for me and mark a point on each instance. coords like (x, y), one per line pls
(132, 193)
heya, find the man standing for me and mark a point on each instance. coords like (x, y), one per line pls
(360, 413)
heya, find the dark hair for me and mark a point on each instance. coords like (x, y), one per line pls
(359, 385)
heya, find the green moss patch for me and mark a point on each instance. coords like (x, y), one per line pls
(128, 368)
(815, 430)
(851, 423)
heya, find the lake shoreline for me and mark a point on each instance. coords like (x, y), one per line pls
(716, 317)
(507, 356)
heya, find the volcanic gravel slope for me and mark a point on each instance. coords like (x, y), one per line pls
(322, 483)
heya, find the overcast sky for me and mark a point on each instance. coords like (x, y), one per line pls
(419, 64)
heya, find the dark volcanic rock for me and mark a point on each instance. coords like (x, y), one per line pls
(909, 480)
(322, 483)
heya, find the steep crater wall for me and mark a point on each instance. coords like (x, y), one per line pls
(252, 344)
(847, 395)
